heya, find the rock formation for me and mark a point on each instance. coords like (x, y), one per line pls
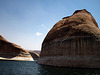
(11, 51)
(34, 55)
(74, 41)
(37, 51)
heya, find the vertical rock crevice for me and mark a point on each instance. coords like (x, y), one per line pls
(74, 39)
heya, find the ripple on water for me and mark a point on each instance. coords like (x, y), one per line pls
(31, 68)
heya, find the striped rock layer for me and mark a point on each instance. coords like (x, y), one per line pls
(11, 51)
(74, 41)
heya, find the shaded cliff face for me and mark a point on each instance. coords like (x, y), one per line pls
(11, 51)
(72, 42)
(34, 55)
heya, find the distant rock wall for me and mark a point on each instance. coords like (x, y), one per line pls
(11, 51)
(72, 42)
(34, 55)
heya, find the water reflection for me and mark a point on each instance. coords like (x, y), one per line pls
(31, 68)
(48, 70)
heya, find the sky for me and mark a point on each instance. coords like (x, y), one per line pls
(27, 22)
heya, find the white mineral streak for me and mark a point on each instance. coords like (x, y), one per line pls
(18, 58)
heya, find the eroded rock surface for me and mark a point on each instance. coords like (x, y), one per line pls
(34, 55)
(11, 51)
(74, 41)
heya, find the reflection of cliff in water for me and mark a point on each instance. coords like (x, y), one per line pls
(50, 70)
(31, 68)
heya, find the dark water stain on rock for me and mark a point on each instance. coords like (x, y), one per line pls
(74, 41)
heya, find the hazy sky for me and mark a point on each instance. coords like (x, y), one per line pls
(26, 22)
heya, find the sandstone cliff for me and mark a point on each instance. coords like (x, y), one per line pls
(74, 41)
(11, 51)
(34, 55)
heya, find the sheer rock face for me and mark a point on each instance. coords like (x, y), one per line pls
(11, 51)
(74, 41)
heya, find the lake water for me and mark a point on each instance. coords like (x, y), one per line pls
(31, 68)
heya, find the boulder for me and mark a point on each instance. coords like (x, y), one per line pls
(11, 51)
(74, 41)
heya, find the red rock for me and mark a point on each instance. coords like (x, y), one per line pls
(74, 41)
(11, 51)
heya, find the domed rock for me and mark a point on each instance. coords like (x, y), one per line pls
(74, 41)
(11, 51)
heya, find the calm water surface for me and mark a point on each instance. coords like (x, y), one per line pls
(31, 68)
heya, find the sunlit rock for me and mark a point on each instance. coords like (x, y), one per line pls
(11, 51)
(74, 41)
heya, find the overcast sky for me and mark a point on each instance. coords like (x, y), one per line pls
(26, 22)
